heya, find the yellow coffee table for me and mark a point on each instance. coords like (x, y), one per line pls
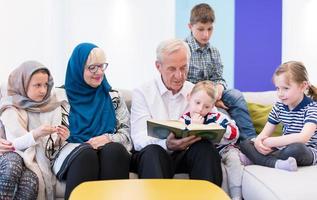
(149, 189)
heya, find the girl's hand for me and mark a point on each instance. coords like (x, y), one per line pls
(260, 147)
(62, 132)
(43, 130)
(5, 146)
(267, 142)
(197, 119)
(98, 141)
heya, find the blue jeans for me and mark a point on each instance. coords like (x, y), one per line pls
(239, 112)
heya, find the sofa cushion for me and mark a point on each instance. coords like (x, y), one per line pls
(259, 114)
(262, 183)
(127, 96)
(265, 98)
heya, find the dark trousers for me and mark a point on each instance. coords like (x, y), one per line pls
(201, 161)
(299, 151)
(110, 162)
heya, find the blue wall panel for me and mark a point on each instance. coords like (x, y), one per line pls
(258, 43)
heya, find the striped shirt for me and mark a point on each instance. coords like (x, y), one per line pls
(205, 63)
(294, 120)
(232, 132)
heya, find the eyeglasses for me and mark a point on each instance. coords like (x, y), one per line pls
(94, 67)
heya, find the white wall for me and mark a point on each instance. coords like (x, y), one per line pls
(48, 30)
(24, 28)
(128, 30)
(300, 34)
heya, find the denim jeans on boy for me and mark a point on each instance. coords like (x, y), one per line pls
(238, 111)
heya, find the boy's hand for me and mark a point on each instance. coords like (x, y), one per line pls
(220, 104)
(197, 119)
(220, 90)
(5, 146)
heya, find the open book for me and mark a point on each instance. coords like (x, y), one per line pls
(162, 128)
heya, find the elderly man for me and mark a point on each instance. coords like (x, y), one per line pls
(165, 98)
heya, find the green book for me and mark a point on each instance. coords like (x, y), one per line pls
(162, 128)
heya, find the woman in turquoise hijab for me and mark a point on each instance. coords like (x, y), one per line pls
(99, 127)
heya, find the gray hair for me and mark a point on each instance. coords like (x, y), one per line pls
(170, 46)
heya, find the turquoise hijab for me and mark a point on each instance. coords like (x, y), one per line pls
(91, 109)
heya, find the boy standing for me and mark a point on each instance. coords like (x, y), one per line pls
(205, 64)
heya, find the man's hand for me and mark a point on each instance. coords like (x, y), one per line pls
(5, 146)
(175, 144)
(98, 141)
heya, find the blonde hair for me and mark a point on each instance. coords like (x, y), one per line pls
(96, 53)
(296, 71)
(207, 86)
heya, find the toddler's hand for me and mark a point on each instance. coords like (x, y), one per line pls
(197, 119)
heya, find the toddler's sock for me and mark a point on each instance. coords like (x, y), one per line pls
(290, 164)
(244, 159)
(236, 198)
(236, 193)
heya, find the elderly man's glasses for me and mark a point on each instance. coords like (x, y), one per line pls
(94, 67)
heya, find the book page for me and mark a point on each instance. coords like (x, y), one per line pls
(170, 123)
(211, 126)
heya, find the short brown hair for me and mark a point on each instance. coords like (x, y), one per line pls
(202, 13)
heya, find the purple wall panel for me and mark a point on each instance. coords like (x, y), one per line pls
(258, 43)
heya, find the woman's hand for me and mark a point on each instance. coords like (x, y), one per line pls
(62, 132)
(98, 141)
(5, 146)
(260, 147)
